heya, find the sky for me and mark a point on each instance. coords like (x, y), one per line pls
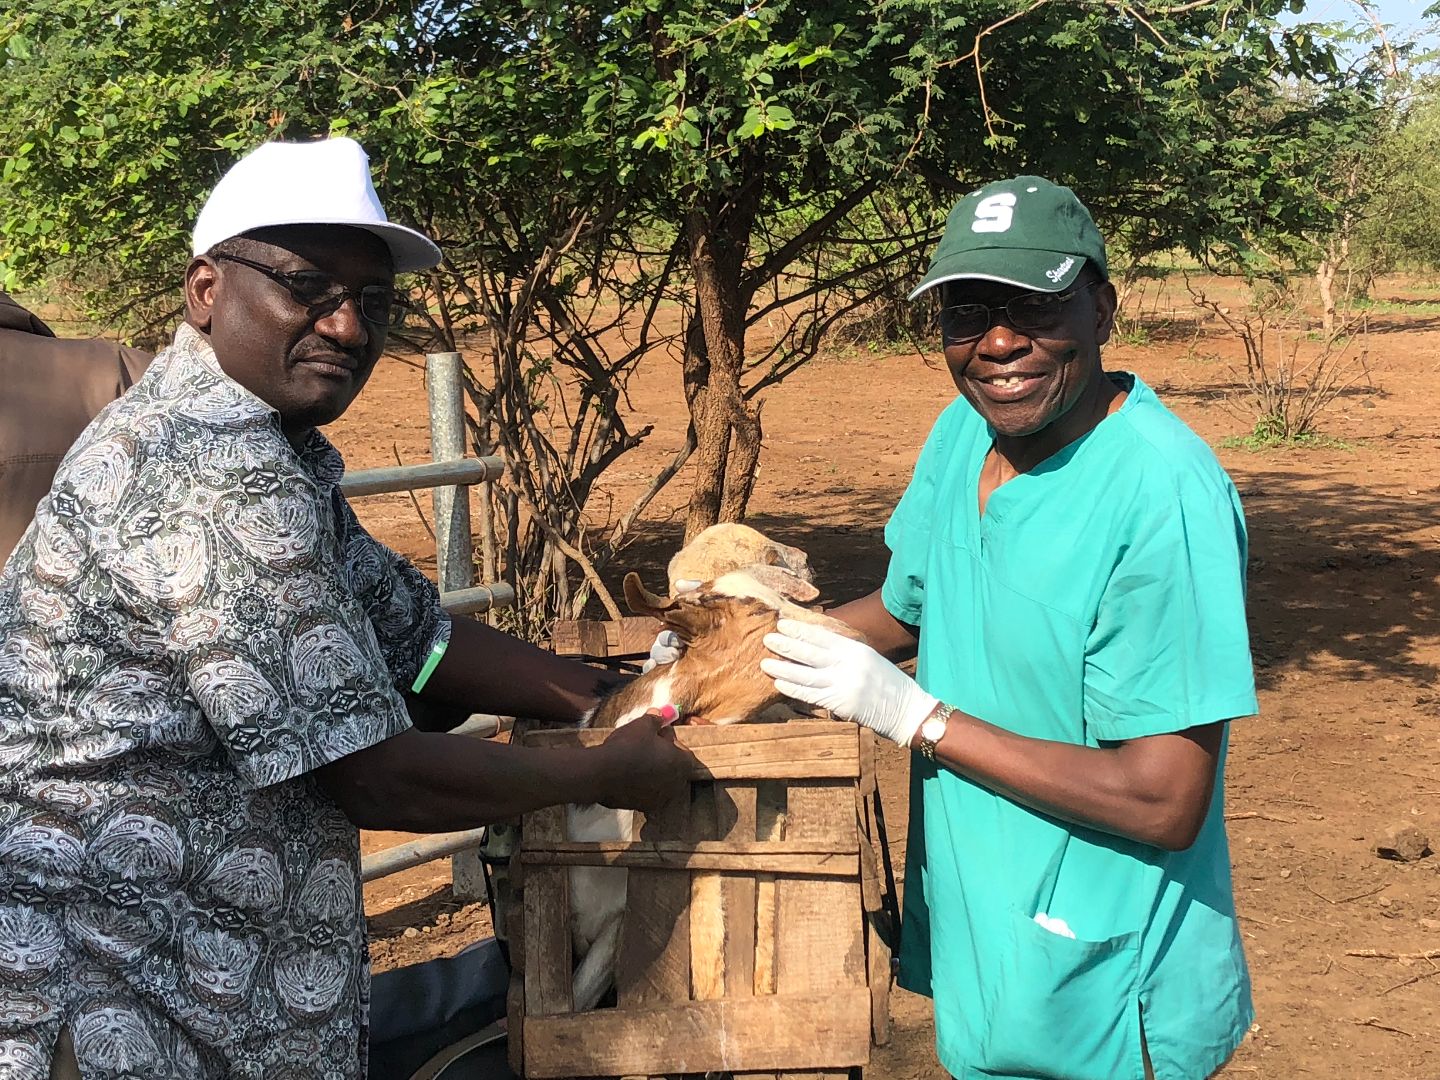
(1402, 15)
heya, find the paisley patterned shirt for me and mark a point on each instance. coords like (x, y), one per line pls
(194, 622)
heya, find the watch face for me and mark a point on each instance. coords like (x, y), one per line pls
(933, 730)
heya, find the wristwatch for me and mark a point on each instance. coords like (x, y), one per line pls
(933, 730)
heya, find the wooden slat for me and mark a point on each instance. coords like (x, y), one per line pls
(807, 749)
(819, 936)
(565, 638)
(867, 761)
(707, 913)
(879, 931)
(784, 865)
(647, 856)
(771, 798)
(707, 937)
(605, 850)
(634, 634)
(543, 827)
(872, 892)
(513, 932)
(738, 892)
(877, 963)
(547, 949)
(738, 899)
(579, 637)
(819, 810)
(654, 962)
(767, 907)
(515, 994)
(828, 1029)
(547, 946)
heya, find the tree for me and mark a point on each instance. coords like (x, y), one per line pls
(131, 112)
(775, 128)
(585, 165)
(1405, 230)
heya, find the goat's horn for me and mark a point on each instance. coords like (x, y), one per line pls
(641, 600)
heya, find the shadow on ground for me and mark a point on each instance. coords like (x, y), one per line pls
(1344, 572)
(1338, 572)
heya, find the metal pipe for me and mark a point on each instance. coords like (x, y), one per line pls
(454, 556)
(484, 725)
(417, 852)
(478, 598)
(364, 482)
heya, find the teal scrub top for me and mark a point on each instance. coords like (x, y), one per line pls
(1100, 597)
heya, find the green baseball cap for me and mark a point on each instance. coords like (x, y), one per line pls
(1026, 232)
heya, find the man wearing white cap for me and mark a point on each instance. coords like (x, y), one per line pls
(1069, 563)
(202, 659)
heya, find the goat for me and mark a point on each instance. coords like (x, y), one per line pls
(716, 680)
(728, 547)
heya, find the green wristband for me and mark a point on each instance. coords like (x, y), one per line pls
(431, 663)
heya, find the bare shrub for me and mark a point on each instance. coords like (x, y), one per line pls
(1291, 374)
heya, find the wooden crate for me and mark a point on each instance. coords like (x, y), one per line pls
(786, 973)
(594, 639)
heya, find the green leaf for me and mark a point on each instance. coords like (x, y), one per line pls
(779, 118)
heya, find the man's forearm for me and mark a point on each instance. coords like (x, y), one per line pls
(424, 782)
(431, 714)
(485, 670)
(886, 634)
(1155, 790)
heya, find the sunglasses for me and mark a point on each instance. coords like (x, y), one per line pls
(1029, 311)
(320, 294)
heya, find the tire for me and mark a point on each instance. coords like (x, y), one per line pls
(480, 1056)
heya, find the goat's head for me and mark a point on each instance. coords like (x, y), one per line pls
(723, 624)
(728, 547)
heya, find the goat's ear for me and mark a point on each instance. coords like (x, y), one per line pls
(700, 614)
(786, 582)
(693, 619)
(642, 601)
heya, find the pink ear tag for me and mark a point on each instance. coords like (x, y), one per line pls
(669, 713)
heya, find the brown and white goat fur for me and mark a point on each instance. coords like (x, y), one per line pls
(716, 680)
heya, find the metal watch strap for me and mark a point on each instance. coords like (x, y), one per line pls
(942, 713)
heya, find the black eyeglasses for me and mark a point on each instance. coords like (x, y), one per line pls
(1029, 311)
(320, 294)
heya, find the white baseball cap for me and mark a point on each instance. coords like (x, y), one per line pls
(326, 182)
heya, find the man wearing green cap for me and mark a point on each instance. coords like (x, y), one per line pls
(1069, 563)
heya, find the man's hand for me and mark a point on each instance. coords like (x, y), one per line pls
(665, 649)
(644, 769)
(847, 677)
(667, 646)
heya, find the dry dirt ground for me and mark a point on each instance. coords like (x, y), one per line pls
(1346, 636)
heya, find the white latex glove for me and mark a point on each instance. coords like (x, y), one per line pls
(847, 677)
(665, 649)
(667, 646)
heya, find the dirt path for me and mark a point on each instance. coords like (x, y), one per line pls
(1346, 632)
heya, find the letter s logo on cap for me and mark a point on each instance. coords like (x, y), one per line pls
(995, 213)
